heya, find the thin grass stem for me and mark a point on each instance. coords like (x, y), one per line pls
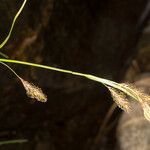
(103, 81)
(13, 141)
(13, 23)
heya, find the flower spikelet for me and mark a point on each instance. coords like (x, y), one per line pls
(34, 92)
(146, 110)
(141, 97)
(120, 99)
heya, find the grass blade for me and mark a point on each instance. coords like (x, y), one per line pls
(18, 141)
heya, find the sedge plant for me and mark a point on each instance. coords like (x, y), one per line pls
(122, 93)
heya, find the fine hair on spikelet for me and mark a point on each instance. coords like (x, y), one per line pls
(33, 91)
(142, 98)
(120, 99)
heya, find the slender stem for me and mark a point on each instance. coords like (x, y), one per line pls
(10, 69)
(13, 141)
(3, 55)
(13, 23)
(103, 81)
(91, 77)
(42, 66)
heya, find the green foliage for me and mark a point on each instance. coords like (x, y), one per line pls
(13, 141)
(12, 26)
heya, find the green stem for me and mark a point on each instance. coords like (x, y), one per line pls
(3, 55)
(13, 23)
(91, 77)
(103, 81)
(13, 141)
(10, 69)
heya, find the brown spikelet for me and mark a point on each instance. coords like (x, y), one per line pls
(138, 93)
(146, 110)
(34, 92)
(120, 99)
(141, 97)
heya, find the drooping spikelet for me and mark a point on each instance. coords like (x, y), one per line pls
(146, 110)
(120, 99)
(34, 92)
(141, 97)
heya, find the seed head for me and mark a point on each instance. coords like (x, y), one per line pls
(146, 110)
(120, 99)
(34, 92)
(141, 97)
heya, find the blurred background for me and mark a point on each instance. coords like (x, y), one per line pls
(106, 38)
